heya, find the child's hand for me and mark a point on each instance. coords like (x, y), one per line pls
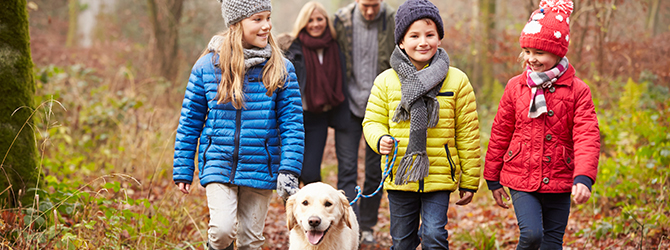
(184, 187)
(386, 145)
(466, 197)
(580, 193)
(287, 185)
(498, 195)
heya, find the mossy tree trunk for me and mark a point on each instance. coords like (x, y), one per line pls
(18, 149)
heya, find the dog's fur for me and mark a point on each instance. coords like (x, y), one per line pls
(320, 217)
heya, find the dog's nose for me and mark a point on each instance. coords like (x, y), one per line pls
(314, 221)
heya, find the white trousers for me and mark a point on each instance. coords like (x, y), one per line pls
(236, 212)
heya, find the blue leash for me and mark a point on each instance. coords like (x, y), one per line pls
(387, 171)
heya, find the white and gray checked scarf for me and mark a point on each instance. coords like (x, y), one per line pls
(538, 81)
(418, 104)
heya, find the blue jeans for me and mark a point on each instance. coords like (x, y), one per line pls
(408, 209)
(542, 219)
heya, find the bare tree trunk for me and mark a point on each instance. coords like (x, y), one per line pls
(652, 19)
(604, 16)
(73, 11)
(18, 150)
(164, 16)
(487, 10)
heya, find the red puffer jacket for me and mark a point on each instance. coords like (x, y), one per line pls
(546, 153)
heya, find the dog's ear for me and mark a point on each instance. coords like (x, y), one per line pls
(290, 219)
(346, 212)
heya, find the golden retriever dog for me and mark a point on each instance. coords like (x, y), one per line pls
(319, 217)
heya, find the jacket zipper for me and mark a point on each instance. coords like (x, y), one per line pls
(236, 152)
(267, 150)
(204, 154)
(451, 163)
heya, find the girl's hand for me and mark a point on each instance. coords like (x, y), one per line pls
(580, 193)
(386, 145)
(498, 195)
(466, 197)
(183, 187)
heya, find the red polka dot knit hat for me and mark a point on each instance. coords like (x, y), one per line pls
(548, 28)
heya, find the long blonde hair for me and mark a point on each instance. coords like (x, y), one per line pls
(305, 13)
(231, 62)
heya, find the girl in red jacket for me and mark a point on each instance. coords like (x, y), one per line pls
(545, 139)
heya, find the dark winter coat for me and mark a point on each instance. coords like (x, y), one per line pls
(338, 116)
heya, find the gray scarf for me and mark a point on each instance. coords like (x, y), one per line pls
(419, 104)
(252, 57)
(255, 56)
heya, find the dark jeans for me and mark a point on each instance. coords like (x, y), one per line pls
(409, 209)
(347, 157)
(542, 219)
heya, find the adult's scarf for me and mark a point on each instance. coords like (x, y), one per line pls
(538, 81)
(323, 86)
(419, 104)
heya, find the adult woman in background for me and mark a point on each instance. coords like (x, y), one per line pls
(319, 67)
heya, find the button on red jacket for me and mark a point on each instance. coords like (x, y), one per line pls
(546, 153)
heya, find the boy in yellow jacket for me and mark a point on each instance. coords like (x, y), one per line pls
(430, 109)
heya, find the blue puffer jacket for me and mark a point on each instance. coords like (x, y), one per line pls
(238, 146)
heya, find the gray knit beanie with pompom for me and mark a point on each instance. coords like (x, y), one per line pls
(234, 11)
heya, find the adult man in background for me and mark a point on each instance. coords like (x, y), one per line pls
(365, 33)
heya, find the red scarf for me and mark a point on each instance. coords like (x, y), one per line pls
(323, 87)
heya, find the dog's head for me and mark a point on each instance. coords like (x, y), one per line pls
(315, 209)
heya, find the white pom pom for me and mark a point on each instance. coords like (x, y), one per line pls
(532, 27)
(557, 34)
(559, 18)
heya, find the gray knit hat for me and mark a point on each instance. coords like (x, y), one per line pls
(413, 10)
(234, 11)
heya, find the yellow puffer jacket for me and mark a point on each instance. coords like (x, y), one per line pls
(452, 146)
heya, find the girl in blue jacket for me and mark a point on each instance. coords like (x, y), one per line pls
(242, 113)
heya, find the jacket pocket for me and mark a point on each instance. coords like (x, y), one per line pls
(568, 157)
(452, 165)
(204, 153)
(446, 99)
(267, 151)
(512, 152)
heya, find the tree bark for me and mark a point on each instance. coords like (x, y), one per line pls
(652, 19)
(18, 150)
(73, 11)
(487, 9)
(164, 16)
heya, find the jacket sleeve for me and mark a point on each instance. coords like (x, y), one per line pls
(501, 133)
(375, 122)
(585, 133)
(467, 135)
(193, 113)
(290, 122)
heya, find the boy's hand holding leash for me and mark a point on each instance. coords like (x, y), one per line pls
(386, 145)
